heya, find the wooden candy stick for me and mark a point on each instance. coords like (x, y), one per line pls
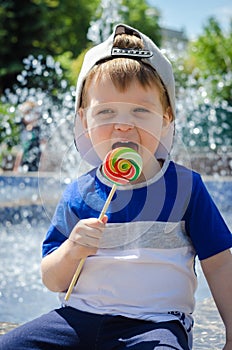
(79, 268)
(120, 166)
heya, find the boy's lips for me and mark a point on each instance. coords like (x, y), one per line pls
(129, 144)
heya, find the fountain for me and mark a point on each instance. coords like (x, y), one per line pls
(28, 200)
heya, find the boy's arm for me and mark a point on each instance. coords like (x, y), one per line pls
(218, 272)
(58, 267)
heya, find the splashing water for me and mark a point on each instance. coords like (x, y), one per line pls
(203, 133)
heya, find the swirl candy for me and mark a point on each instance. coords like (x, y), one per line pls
(122, 165)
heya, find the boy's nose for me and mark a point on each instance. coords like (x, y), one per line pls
(124, 122)
(123, 126)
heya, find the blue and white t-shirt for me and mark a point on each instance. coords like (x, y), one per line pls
(144, 267)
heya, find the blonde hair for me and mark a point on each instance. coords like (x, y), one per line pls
(123, 71)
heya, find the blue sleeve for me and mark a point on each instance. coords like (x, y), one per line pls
(62, 224)
(204, 223)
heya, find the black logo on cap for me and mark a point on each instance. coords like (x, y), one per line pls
(131, 52)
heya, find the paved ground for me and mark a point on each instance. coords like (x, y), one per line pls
(6, 327)
(209, 329)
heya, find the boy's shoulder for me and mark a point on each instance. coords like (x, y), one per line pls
(181, 177)
(182, 170)
(175, 172)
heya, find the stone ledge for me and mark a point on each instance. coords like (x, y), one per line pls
(208, 331)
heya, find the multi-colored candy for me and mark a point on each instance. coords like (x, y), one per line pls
(121, 165)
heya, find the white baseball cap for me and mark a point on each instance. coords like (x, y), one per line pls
(150, 55)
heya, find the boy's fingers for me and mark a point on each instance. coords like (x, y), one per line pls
(89, 241)
(88, 232)
(105, 219)
(95, 228)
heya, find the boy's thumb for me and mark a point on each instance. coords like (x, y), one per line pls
(105, 219)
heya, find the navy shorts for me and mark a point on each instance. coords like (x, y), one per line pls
(68, 328)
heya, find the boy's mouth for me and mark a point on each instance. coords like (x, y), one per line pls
(129, 144)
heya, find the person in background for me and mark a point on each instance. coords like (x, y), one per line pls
(30, 148)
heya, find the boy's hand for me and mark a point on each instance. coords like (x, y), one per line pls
(59, 267)
(87, 234)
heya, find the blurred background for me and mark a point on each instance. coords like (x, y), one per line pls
(42, 44)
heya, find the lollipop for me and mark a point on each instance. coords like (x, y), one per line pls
(120, 166)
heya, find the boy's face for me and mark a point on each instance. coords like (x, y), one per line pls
(132, 118)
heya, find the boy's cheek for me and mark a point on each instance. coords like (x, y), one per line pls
(168, 130)
(152, 132)
(100, 142)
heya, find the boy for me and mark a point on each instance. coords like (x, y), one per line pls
(136, 290)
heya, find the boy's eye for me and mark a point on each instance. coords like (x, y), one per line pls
(141, 110)
(105, 112)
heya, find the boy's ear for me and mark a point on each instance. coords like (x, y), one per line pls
(167, 119)
(83, 119)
